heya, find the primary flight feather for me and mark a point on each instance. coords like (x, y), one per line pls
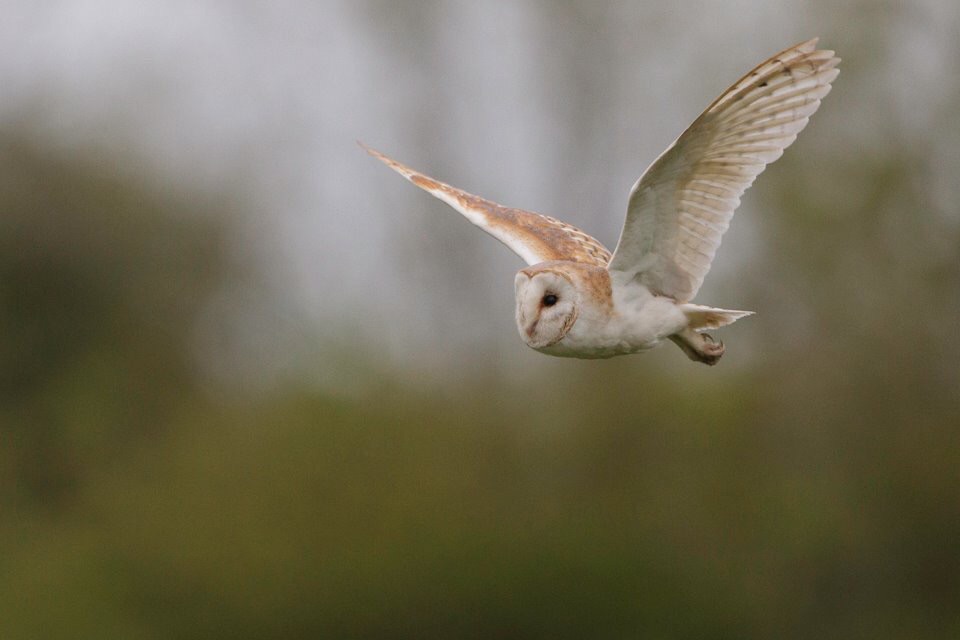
(577, 300)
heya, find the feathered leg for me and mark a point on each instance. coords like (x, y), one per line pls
(699, 347)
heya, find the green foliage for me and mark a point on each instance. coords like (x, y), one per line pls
(101, 282)
(813, 495)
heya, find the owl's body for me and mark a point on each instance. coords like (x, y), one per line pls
(599, 314)
(576, 299)
(606, 318)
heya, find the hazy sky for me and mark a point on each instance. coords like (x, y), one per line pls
(551, 106)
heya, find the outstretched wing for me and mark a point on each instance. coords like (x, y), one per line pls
(683, 203)
(534, 237)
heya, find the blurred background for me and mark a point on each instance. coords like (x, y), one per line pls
(255, 385)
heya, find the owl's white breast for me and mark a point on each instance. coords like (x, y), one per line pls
(632, 320)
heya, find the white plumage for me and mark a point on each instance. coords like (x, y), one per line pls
(576, 300)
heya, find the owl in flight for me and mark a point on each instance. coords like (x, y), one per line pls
(575, 299)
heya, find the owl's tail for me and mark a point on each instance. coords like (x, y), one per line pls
(703, 318)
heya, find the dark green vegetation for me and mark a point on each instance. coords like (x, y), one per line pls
(816, 495)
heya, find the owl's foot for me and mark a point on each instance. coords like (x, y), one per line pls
(699, 347)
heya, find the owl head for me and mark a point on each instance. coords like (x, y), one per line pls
(548, 304)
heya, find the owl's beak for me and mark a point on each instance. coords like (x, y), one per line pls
(532, 328)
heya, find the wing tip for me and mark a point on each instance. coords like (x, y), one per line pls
(808, 48)
(376, 154)
(399, 167)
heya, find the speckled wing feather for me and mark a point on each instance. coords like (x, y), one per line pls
(534, 237)
(683, 203)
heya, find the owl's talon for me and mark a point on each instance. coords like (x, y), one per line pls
(699, 347)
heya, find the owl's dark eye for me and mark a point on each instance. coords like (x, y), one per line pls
(549, 300)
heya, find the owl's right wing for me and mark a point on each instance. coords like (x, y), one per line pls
(533, 236)
(683, 203)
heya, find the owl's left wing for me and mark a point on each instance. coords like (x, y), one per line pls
(682, 205)
(532, 236)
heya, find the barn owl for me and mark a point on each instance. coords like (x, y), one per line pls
(576, 299)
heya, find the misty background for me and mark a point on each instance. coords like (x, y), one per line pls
(254, 384)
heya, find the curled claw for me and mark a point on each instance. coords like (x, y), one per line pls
(700, 347)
